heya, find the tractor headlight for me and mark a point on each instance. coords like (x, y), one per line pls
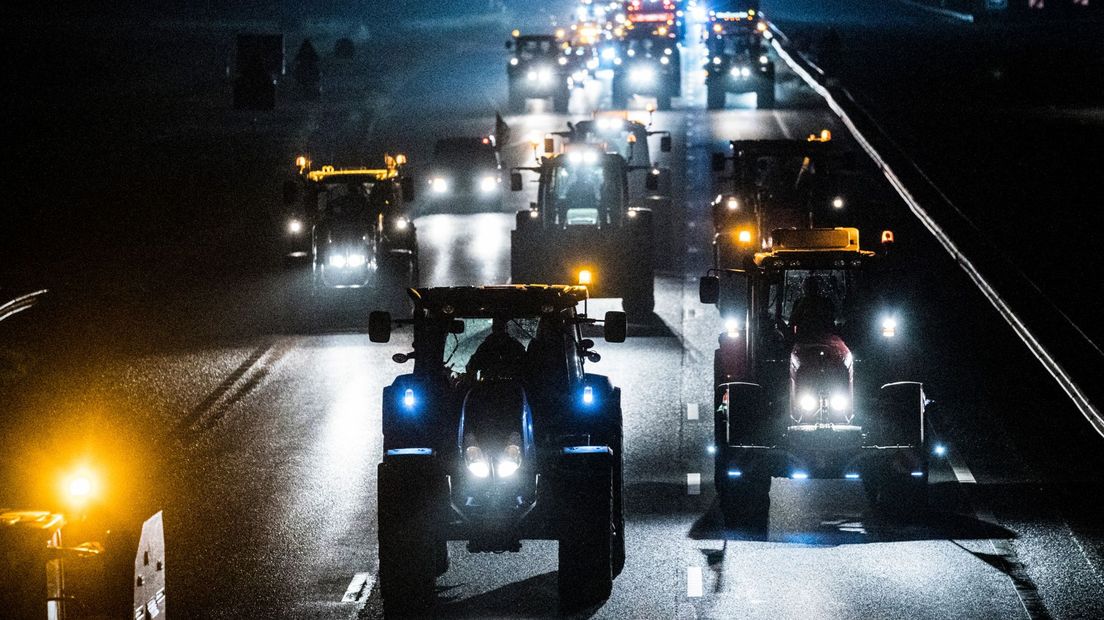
(889, 327)
(585, 277)
(665, 60)
(478, 465)
(763, 59)
(562, 60)
(732, 328)
(839, 402)
(642, 75)
(544, 76)
(295, 226)
(356, 260)
(338, 261)
(488, 184)
(438, 185)
(509, 462)
(837, 202)
(513, 62)
(808, 402)
(732, 204)
(402, 223)
(744, 236)
(609, 53)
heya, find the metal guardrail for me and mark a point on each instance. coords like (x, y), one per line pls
(853, 115)
(19, 304)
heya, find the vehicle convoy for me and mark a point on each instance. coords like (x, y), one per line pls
(498, 435)
(665, 15)
(650, 66)
(538, 70)
(806, 376)
(775, 184)
(583, 230)
(738, 59)
(355, 224)
(465, 176)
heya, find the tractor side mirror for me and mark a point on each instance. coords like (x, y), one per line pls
(615, 327)
(665, 144)
(379, 326)
(651, 181)
(456, 326)
(549, 145)
(718, 162)
(402, 358)
(709, 289)
(515, 182)
(291, 192)
(407, 186)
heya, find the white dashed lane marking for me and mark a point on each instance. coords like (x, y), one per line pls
(693, 484)
(694, 582)
(691, 411)
(358, 587)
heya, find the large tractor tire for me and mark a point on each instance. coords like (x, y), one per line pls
(714, 96)
(744, 499)
(409, 541)
(639, 297)
(663, 100)
(619, 96)
(524, 248)
(561, 99)
(586, 532)
(516, 104)
(899, 485)
(743, 490)
(764, 98)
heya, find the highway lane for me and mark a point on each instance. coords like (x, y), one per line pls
(274, 436)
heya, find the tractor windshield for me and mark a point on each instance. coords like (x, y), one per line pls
(532, 349)
(817, 299)
(580, 194)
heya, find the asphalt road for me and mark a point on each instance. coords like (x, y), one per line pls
(165, 354)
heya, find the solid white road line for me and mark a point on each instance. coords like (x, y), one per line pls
(691, 411)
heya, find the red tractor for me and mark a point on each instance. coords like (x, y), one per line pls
(806, 381)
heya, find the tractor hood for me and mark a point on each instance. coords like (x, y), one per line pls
(821, 381)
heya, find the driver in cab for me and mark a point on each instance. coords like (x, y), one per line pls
(499, 356)
(813, 316)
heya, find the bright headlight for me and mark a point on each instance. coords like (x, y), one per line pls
(506, 468)
(356, 260)
(479, 469)
(763, 59)
(716, 60)
(837, 202)
(609, 53)
(295, 226)
(665, 60)
(531, 76)
(438, 185)
(839, 402)
(513, 62)
(544, 76)
(889, 327)
(562, 61)
(807, 402)
(488, 184)
(732, 328)
(478, 465)
(401, 223)
(643, 74)
(338, 261)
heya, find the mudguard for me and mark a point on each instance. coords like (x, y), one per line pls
(742, 418)
(899, 416)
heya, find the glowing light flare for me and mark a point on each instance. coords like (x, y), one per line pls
(588, 395)
(408, 399)
(295, 226)
(585, 277)
(889, 327)
(744, 237)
